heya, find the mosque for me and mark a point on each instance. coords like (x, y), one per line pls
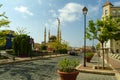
(52, 38)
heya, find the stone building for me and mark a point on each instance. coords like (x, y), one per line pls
(114, 11)
(52, 38)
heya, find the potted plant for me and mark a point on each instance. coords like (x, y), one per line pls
(89, 56)
(67, 69)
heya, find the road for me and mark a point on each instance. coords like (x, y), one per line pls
(44, 69)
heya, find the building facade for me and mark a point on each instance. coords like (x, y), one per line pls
(114, 11)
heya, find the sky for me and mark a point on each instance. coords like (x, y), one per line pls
(34, 15)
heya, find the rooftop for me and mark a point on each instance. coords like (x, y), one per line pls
(107, 3)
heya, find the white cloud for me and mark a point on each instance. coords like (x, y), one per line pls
(23, 10)
(117, 3)
(70, 12)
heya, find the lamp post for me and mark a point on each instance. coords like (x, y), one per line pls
(84, 13)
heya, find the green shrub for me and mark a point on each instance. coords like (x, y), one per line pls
(21, 45)
(43, 47)
(61, 51)
(89, 54)
(68, 65)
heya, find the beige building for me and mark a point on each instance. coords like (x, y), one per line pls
(110, 10)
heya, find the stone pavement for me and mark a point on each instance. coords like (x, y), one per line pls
(112, 68)
(43, 69)
(28, 67)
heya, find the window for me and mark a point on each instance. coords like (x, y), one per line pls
(114, 12)
(118, 11)
(106, 12)
(117, 43)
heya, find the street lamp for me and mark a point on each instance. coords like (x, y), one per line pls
(84, 13)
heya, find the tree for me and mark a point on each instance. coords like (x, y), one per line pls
(64, 45)
(103, 31)
(3, 22)
(116, 29)
(54, 43)
(59, 47)
(43, 47)
(3, 36)
(91, 32)
(22, 45)
(21, 30)
(3, 19)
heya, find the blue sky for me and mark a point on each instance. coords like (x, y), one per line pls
(34, 15)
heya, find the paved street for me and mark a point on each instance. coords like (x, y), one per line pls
(44, 69)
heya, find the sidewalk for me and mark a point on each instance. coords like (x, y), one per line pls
(18, 59)
(113, 68)
(96, 62)
(115, 65)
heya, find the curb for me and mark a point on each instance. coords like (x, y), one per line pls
(29, 59)
(96, 71)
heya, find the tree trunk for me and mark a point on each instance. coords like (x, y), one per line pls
(103, 57)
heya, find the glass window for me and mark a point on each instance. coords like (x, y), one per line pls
(106, 11)
(119, 11)
(113, 11)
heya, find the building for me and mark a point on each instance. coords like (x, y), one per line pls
(114, 11)
(52, 38)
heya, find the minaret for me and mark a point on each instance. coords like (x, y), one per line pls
(45, 35)
(58, 32)
(49, 35)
